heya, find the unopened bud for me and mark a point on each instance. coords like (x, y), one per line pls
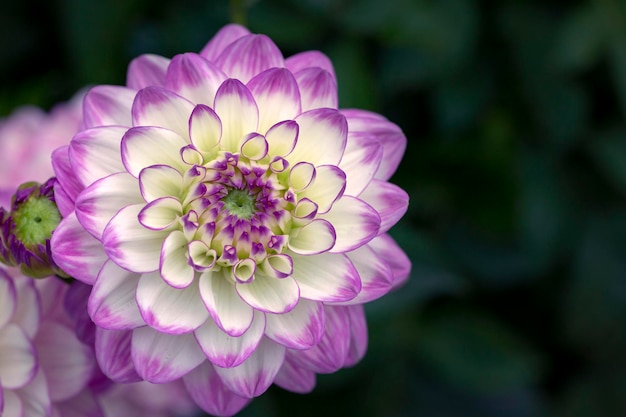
(25, 231)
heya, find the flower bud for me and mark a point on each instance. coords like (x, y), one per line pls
(25, 231)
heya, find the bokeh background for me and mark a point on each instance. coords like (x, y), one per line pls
(516, 169)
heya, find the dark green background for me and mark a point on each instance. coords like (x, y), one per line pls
(516, 168)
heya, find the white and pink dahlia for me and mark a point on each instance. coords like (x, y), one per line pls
(231, 220)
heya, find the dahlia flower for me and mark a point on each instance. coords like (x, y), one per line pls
(23, 388)
(231, 220)
(41, 361)
(46, 370)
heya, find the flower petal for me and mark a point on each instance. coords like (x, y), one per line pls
(329, 355)
(358, 335)
(205, 128)
(129, 244)
(389, 200)
(13, 405)
(161, 214)
(99, 202)
(68, 186)
(107, 105)
(277, 96)
(113, 352)
(146, 146)
(230, 312)
(18, 362)
(67, 363)
(295, 378)
(322, 137)
(301, 176)
(146, 70)
(226, 351)
(375, 273)
(159, 181)
(318, 88)
(32, 400)
(224, 37)
(156, 106)
(209, 392)
(238, 112)
(75, 305)
(360, 161)
(167, 309)
(161, 357)
(194, 78)
(389, 250)
(77, 252)
(28, 310)
(95, 153)
(355, 223)
(310, 59)
(174, 264)
(112, 302)
(300, 328)
(63, 200)
(389, 134)
(254, 147)
(282, 137)
(8, 298)
(253, 377)
(326, 277)
(316, 237)
(84, 404)
(249, 56)
(328, 186)
(273, 295)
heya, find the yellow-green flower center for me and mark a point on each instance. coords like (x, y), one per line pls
(35, 220)
(240, 203)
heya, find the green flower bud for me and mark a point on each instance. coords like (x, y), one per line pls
(25, 231)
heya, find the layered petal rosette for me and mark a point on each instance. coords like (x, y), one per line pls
(231, 220)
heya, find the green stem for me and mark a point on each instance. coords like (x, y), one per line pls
(238, 12)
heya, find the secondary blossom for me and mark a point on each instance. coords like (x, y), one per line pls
(231, 219)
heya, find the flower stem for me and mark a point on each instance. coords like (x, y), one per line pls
(238, 11)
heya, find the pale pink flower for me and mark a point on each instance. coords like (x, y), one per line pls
(23, 387)
(28, 137)
(45, 369)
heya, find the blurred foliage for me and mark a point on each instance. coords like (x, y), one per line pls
(514, 113)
